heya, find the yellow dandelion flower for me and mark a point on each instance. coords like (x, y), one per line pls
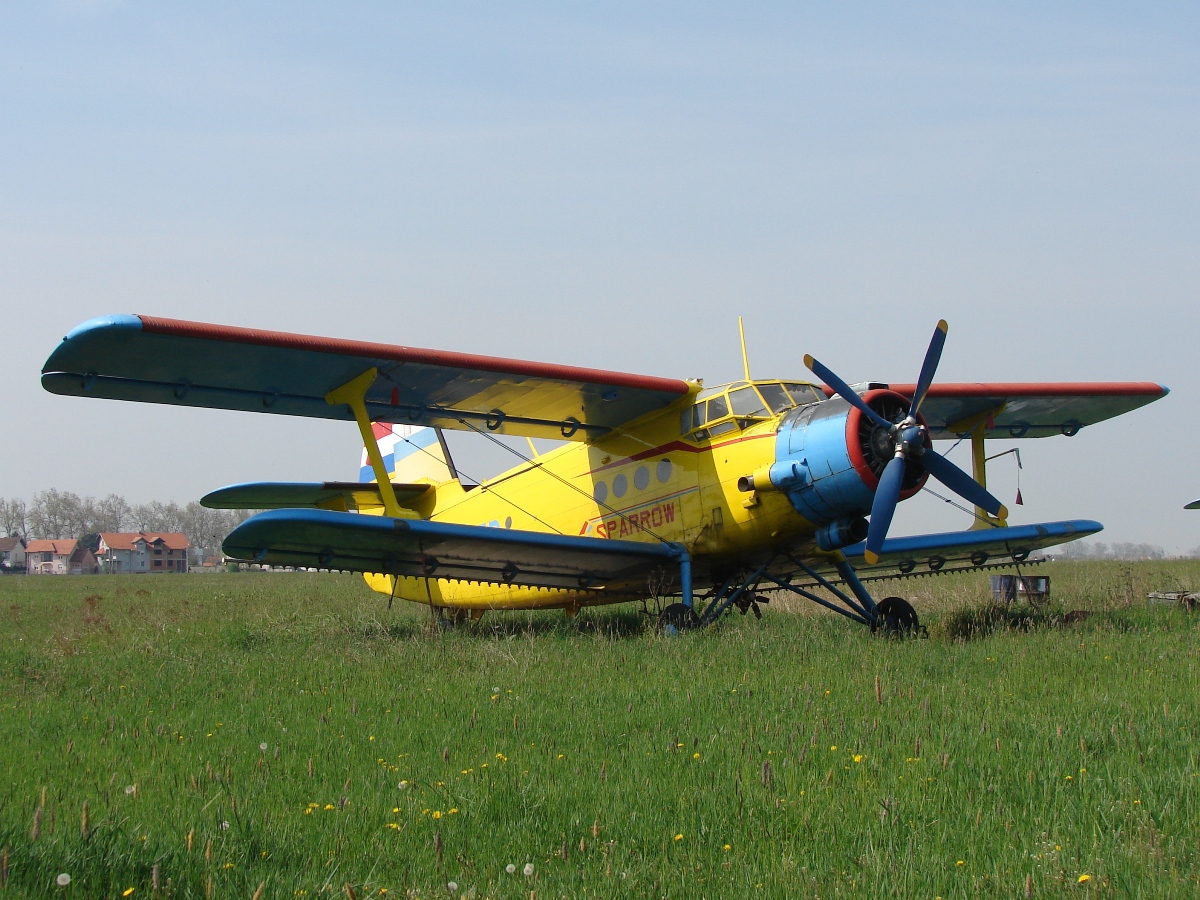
(695, 756)
(563, 756)
(960, 863)
(328, 806)
(679, 837)
(1070, 778)
(453, 811)
(436, 814)
(484, 766)
(1084, 879)
(834, 747)
(127, 891)
(859, 757)
(727, 848)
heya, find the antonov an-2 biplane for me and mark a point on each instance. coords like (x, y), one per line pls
(705, 494)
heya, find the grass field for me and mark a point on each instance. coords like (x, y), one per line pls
(209, 735)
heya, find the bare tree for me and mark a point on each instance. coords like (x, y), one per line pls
(112, 514)
(13, 518)
(56, 514)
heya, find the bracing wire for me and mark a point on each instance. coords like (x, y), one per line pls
(513, 450)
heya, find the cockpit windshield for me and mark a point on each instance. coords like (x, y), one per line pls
(739, 405)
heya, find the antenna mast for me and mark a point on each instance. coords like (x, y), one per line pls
(745, 358)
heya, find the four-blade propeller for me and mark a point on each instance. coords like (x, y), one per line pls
(910, 439)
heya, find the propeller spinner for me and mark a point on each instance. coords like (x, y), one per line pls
(910, 440)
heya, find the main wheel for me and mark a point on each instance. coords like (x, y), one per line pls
(678, 617)
(896, 616)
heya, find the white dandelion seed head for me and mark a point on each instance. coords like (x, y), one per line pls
(130, 788)
(451, 886)
(495, 690)
(224, 826)
(510, 869)
(404, 785)
(63, 880)
(528, 870)
(262, 746)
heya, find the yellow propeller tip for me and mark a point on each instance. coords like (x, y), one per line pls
(1003, 514)
(942, 326)
(808, 361)
(871, 557)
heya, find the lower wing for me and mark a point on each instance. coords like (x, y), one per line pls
(420, 548)
(929, 554)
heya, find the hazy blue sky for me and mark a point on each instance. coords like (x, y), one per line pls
(611, 186)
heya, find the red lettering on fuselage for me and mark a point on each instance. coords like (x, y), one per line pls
(642, 520)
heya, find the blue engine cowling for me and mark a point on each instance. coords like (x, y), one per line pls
(832, 456)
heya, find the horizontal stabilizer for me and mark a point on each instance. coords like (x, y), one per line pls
(335, 495)
(953, 551)
(421, 548)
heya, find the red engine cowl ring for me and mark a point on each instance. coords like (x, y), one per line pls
(872, 447)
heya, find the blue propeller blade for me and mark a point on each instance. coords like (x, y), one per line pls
(929, 368)
(844, 389)
(887, 495)
(962, 484)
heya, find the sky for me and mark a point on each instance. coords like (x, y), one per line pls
(611, 185)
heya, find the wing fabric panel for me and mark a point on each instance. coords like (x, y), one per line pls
(421, 548)
(959, 550)
(157, 360)
(1029, 410)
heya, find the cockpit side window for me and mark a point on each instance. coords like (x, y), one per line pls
(717, 409)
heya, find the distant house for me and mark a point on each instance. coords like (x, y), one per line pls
(12, 554)
(143, 551)
(52, 557)
(211, 564)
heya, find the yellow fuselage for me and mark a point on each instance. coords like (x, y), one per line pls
(648, 482)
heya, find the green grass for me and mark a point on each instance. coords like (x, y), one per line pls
(585, 747)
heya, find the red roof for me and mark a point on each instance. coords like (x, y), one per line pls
(172, 540)
(62, 547)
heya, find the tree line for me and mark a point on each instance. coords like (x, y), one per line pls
(57, 515)
(1101, 550)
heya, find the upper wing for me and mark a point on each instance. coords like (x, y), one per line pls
(1195, 504)
(158, 360)
(927, 554)
(421, 548)
(336, 495)
(1020, 410)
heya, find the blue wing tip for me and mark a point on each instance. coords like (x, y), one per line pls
(122, 322)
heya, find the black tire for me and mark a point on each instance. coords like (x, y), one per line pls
(679, 617)
(896, 616)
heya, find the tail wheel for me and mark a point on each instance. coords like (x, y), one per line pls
(896, 616)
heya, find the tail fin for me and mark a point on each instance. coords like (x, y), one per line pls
(411, 453)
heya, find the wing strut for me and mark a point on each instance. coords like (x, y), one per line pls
(976, 426)
(353, 394)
